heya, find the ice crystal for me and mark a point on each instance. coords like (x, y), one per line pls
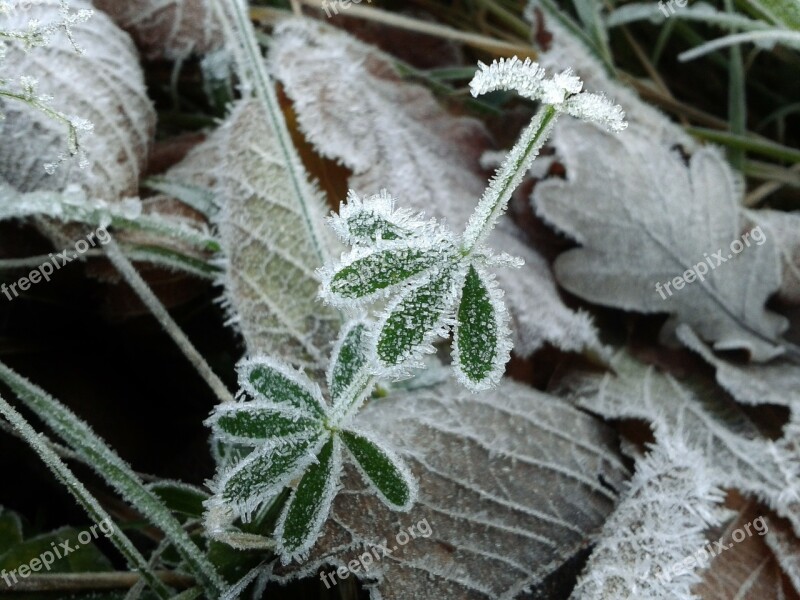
(297, 436)
(434, 280)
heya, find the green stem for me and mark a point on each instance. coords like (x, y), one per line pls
(745, 142)
(495, 199)
(72, 131)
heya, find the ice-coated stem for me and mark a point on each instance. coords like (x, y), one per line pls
(495, 199)
(240, 32)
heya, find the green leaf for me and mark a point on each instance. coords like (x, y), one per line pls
(309, 505)
(263, 474)
(383, 470)
(349, 362)
(10, 529)
(365, 221)
(253, 423)
(414, 320)
(79, 558)
(481, 334)
(370, 275)
(180, 497)
(276, 382)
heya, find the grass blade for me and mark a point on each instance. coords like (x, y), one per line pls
(96, 512)
(106, 463)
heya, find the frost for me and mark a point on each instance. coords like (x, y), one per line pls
(642, 217)
(425, 276)
(658, 523)
(268, 242)
(122, 115)
(297, 440)
(173, 29)
(481, 336)
(748, 568)
(369, 220)
(737, 455)
(489, 467)
(786, 549)
(354, 106)
(563, 91)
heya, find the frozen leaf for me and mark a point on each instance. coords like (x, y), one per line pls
(643, 228)
(354, 107)
(271, 244)
(122, 116)
(786, 548)
(287, 422)
(481, 341)
(746, 568)
(783, 230)
(255, 423)
(563, 91)
(513, 482)
(308, 506)
(414, 319)
(363, 221)
(271, 380)
(366, 274)
(262, 474)
(382, 469)
(171, 29)
(776, 382)
(736, 454)
(349, 365)
(659, 521)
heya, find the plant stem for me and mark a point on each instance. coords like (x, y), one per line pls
(253, 74)
(82, 582)
(495, 199)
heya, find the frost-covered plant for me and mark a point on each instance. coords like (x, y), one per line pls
(297, 435)
(294, 435)
(36, 35)
(433, 279)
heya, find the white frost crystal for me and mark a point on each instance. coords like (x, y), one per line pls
(433, 280)
(563, 91)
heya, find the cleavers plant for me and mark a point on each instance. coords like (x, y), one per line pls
(427, 280)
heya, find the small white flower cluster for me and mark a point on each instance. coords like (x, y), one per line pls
(563, 91)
